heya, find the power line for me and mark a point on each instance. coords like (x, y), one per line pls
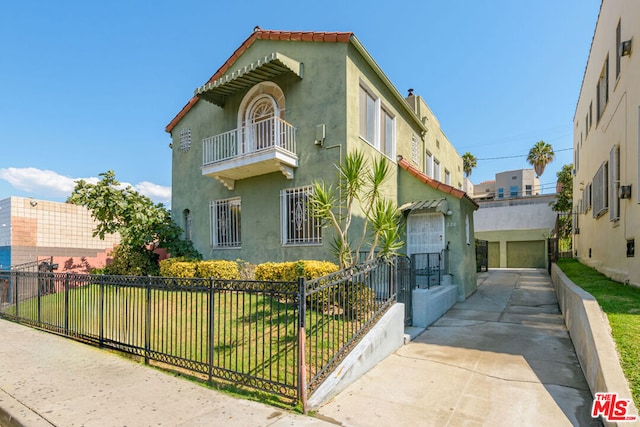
(520, 155)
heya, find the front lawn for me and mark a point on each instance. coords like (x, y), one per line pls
(621, 303)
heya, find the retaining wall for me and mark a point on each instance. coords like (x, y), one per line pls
(591, 335)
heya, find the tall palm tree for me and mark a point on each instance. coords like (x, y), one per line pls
(540, 155)
(469, 162)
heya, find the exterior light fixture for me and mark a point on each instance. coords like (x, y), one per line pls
(624, 191)
(625, 48)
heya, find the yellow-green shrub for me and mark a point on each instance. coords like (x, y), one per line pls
(314, 269)
(290, 271)
(276, 272)
(183, 269)
(219, 269)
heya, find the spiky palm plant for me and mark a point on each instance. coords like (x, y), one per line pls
(359, 183)
(540, 155)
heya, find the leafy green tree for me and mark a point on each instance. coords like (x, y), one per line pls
(359, 183)
(469, 162)
(143, 226)
(540, 155)
(564, 196)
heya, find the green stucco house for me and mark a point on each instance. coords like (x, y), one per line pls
(278, 114)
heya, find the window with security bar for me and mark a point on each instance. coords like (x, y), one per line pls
(299, 227)
(600, 191)
(225, 223)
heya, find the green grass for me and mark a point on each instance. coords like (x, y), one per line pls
(621, 303)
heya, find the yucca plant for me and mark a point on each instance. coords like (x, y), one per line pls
(362, 183)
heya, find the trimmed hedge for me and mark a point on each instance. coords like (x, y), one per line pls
(290, 271)
(218, 269)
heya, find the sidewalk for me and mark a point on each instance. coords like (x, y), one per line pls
(503, 357)
(47, 380)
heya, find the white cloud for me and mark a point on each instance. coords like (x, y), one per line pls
(155, 192)
(51, 185)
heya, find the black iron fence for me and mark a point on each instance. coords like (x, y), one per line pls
(343, 306)
(279, 337)
(482, 255)
(427, 269)
(405, 286)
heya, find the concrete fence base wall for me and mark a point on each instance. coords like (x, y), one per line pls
(386, 337)
(591, 336)
(428, 305)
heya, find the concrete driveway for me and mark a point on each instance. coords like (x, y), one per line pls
(503, 357)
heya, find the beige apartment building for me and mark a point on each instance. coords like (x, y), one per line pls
(606, 157)
(508, 185)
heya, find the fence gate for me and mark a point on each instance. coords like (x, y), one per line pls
(405, 286)
(482, 255)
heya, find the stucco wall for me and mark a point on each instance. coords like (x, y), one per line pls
(318, 98)
(461, 256)
(602, 242)
(511, 225)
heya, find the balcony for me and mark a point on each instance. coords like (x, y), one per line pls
(262, 147)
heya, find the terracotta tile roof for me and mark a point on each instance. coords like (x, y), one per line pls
(445, 188)
(260, 34)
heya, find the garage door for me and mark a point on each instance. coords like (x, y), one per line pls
(526, 254)
(494, 254)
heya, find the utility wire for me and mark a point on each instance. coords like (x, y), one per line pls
(520, 155)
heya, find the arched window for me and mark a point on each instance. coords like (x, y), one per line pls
(259, 116)
(467, 229)
(186, 215)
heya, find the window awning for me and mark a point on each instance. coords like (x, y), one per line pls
(434, 205)
(258, 71)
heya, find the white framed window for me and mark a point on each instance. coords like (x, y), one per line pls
(618, 47)
(513, 191)
(185, 139)
(585, 202)
(436, 169)
(298, 226)
(387, 134)
(225, 223)
(586, 125)
(602, 89)
(528, 190)
(600, 191)
(447, 177)
(614, 183)
(428, 164)
(367, 116)
(377, 124)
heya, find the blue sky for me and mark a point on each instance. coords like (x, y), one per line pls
(87, 87)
